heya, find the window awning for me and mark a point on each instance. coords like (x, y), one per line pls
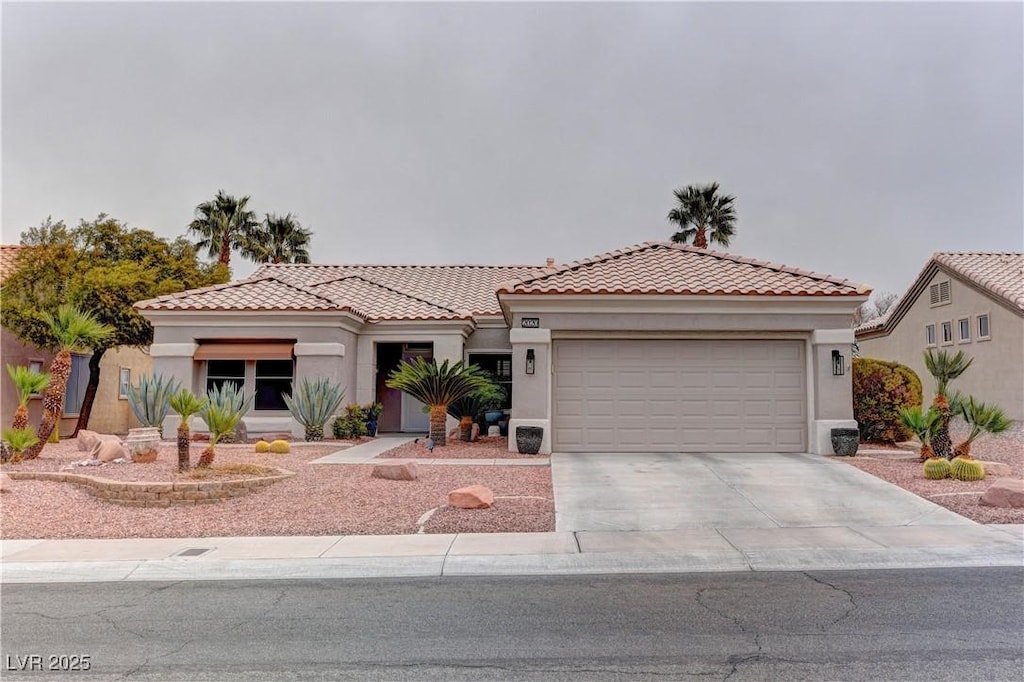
(244, 351)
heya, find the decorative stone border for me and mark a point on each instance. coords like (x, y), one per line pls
(156, 494)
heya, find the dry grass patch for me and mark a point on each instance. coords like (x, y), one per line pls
(228, 471)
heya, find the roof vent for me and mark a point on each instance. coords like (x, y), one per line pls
(550, 263)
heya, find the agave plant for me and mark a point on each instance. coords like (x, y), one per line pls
(981, 418)
(314, 404)
(185, 404)
(945, 368)
(19, 440)
(224, 408)
(923, 425)
(27, 382)
(437, 386)
(150, 400)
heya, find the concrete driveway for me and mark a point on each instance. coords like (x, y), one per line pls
(657, 491)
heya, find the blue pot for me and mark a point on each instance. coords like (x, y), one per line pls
(493, 416)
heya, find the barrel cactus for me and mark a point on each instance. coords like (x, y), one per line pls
(936, 468)
(262, 446)
(966, 469)
(313, 404)
(280, 447)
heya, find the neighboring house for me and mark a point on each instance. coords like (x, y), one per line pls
(110, 412)
(655, 347)
(972, 302)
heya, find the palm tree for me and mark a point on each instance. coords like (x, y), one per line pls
(28, 383)
(923, 425)
(981, 418)
(185, 404)
(278, 239)
(437, 387)
(224, 223)
(72, 329)
(703, 214)
(945, 368)
(225, 405)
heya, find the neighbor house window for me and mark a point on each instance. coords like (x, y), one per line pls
(929, 334)
(74, 394)
(964, 330)
(983, 330)
(220, 371)
(125, 382)
(273, 380)
(947, 333)
(36, 366)
(938, 293)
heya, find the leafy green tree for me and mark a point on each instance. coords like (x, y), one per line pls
(103, 266)
(278, 239)
(222, 224)
(437, 386)
(701, 214)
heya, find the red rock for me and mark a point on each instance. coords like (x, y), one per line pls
(269, 437)
(996, 469)
(200, 436)
(398, 470)
(471, 497)
(1005, 492)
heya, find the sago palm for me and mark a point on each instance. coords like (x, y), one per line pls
(923, 425)
(981, 418)
(19, 440)
(72, 329)
(314, 404)
(278, 239)
(945, 368)
(224, 407)
(222, 224)
(437, 386)
(28, 383)
(702, 214)
(185, 404)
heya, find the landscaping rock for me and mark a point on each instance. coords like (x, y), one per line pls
(996, 469)
(475, 434)
(276, 436)
(200, 436)
(471, 497)
(398, 470)
(87, 440)
(1006, 493)
(5, 483)
(108, 451)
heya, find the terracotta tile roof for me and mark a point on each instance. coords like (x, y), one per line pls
(1002, 274)
(8, 252)
(264, 293)
(377, 302)
(667, 268)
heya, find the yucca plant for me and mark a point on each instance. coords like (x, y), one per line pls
(27, 382)
(981, 418)
(185, 404)
(225, 405)
(314, 404)
(19, 440)
(923, 425)
(437, 386)
(150, 400)
(945, 368)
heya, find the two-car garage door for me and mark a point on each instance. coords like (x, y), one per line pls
(695, 395)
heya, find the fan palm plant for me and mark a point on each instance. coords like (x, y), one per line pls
(72, 329)
(19, 440)
(314, 404)
(437, 386)
(465, 409)
(923, 425)
(224, 408)
(945, 368)
(151, 398)
(28, 383)
(981, 418)
(222, 224)
(278, 239)
(185, 404)
(703, 214)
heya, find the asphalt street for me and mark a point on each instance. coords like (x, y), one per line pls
(936, 624)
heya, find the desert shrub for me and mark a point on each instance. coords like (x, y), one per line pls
(350, 425)
(880, 390)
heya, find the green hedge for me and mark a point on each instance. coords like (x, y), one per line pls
(880, 390)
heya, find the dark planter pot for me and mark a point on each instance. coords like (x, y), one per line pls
(845, 441)
(528, 439)
(371, 428)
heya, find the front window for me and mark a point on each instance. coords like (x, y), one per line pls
(947, 333)
(929, 335)
(964, 328)
(499, 365)
(220, 371)
(273, 380)
(983, 330)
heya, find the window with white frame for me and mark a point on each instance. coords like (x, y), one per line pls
(947, 333)
(124, 382)
(983, 328)
(963, 328)
(939, 294)
(929, 335)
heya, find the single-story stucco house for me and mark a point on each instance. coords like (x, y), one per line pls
(654, 347)
(971, 301)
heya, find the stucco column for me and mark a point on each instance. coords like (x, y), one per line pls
(830, 399)
(175, 360)
(531, 393)
(320, 361)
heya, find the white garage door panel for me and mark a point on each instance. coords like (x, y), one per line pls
(679, 396)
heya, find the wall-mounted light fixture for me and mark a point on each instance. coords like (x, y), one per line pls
(838, 364)
(531, 361)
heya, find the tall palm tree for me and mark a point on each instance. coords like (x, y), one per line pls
(437, 386)
(27, 382)
(278, 239)
(185, 404)
(945, 368)
(72, 329)
(222, 224)
(703, 214)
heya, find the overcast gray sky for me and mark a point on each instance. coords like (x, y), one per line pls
(858, 138)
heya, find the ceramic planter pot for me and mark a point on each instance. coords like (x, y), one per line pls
(529, 438)
(845, 442)
(143, 444)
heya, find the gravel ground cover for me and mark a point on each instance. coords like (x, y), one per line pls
(958, 496)
(486, 447)
(333, 499)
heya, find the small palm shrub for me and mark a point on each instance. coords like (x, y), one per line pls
(185, 404)
(279, 447)
(921, 424)
(313, 404)
(224, 408)
(150, 400)
(350, 425)
(981, 418)
(19, 440)
(963, 469)
(880, 390)
(28, 383)
(945, 368)
(262, 446)
(437, 387)
(936, 468)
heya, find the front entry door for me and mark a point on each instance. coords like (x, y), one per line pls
(414, 418)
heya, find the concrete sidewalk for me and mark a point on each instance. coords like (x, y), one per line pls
(367, 453)
(469, 554)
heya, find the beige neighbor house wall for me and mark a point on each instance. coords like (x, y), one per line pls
(111, 412)
(997, 373)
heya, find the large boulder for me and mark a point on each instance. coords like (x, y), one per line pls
(108, 450)
(471, 497)
(1005, 492)
(87, 439)
(996, 469)
(398, 470)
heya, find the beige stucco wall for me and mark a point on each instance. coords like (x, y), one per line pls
(997, 373)
(110, 412)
